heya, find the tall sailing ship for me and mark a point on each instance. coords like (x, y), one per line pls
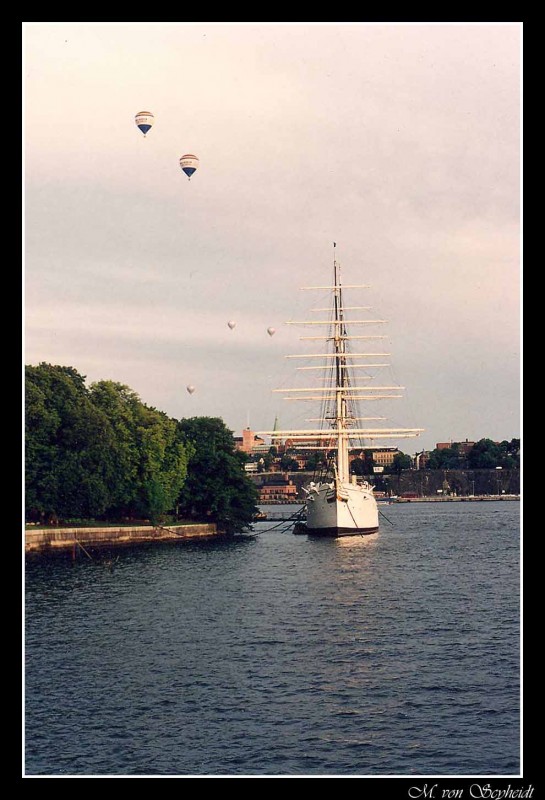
(337, 503)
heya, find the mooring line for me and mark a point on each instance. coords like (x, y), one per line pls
(287, 523)
(386, 518)
(83, 548)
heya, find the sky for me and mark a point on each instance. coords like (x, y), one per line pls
(398, 142)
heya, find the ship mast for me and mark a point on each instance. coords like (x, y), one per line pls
(339, 397)
(341, 375)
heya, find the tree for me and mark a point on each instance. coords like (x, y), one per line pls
(266, 462)
(288, 463)
(363, 464)
(485, 454)
(41, 424)
(510, 454)
(66, 439)
(98, 452)
(163, 462)
(315, 461)
(216, 488)
(149, 457)
(358, 466)
(446, 458)
(401, 461)
(514, 448)
(120, 404)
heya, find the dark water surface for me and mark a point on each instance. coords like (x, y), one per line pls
(391, 654)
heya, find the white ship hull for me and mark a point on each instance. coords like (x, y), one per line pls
(345, 511)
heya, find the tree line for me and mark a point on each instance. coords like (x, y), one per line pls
(485, 454)
(98, 452)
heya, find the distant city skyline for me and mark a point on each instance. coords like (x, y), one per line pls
(243, 443)
(399, 142)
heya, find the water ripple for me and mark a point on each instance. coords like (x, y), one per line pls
(282, 655)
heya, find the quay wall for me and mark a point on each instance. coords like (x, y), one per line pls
(59, 538)
(440, 499)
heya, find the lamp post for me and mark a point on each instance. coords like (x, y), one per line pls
(498, 479)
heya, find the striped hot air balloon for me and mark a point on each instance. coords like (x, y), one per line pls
(189, 164)
(144, 120)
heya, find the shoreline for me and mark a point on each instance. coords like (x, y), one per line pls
(56, 539)
(422, 499)
(461, 499)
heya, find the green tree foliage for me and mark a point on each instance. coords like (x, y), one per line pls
(510, 454)
(401, 461)
(217, 487)
(65, 439)
(289, 463)
(265, 462)
(446, 458)
(120, 404)
(149, 458)
(358, 466)
(363, 464)
(98, 452)
(485, 454)
(316, 461)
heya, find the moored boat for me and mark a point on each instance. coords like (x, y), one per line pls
(338, 503)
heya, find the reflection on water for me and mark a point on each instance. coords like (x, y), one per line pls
(368, 541)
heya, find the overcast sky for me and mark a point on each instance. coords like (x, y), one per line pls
(400, 142)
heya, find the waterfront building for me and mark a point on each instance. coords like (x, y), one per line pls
(463, 447)
(279, 489)
(250, 442)
(384, 457)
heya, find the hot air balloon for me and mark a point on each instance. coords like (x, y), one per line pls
(271, 331)
(144, 120)
(231, 324)
(190, 389)
(189, 164)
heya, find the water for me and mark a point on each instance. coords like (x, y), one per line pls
(280, 655)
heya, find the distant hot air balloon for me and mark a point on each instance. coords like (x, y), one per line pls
(271, 331)
(190, 389)
(189, 164)
(144, 120)
(231, 324)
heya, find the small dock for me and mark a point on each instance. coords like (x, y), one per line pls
(53, 539)
(452, 498)
(267, 516)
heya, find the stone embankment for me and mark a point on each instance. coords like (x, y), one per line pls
(453, 499)
(48, 539)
